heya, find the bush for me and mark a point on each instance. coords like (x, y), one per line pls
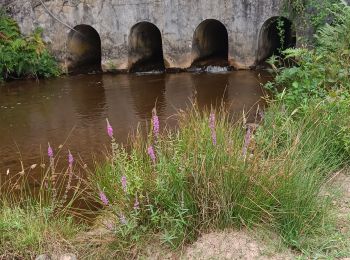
(23, 57)
(321, 72)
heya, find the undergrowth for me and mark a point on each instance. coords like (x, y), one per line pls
(319, 73)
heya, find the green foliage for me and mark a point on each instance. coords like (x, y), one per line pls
(319, 73)
(26, 230)
(281, 33)
(311, 12)
(195, 186)
(23, 57)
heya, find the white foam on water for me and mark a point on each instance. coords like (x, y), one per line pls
(216, 69)
(152, 72)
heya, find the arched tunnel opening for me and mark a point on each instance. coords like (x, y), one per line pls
(210, 44)
(84, 50)
(277, 34)
(145, 48)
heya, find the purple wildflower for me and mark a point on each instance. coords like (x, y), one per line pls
(247, 140)
(155, 121)
(136, 204)
(124, 183)
(122, 219)
(212, 127)
(103, 198)
(70, 159)
(212, 120)
(110, 225)
(151, 153)
(50, 152)
(109, 129)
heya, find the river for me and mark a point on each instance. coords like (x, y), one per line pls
(72, 111)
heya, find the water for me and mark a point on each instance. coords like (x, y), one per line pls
(72, 111)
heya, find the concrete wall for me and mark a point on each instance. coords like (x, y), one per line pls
(177, 21)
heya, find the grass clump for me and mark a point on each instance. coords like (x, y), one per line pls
(29, 230)
(210, 174)
(23, 57)
(39, 212)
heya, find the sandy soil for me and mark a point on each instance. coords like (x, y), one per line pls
(232, 245)
(341, 182)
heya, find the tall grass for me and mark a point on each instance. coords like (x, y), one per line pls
(215, 174)
(38, 213)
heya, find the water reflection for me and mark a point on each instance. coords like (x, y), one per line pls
(89, 99)
(245, 93)
(73, 110)
(210, 89)
(147, 92)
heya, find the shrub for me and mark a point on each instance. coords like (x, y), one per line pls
(320, 72)
(23, 57)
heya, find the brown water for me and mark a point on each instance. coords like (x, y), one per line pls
(73, 110)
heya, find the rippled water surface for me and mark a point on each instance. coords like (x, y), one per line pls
(73, 110)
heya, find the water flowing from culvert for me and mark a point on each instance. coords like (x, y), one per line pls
(73, 110)
(217, 69)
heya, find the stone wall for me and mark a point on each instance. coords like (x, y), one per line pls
(177, 21)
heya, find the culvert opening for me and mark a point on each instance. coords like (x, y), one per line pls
(277, 34)
(84, 50)
(210, 44)
(145, 48)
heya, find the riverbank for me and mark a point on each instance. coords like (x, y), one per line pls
(174, 186)
(283, 176)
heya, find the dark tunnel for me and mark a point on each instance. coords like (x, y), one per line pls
(84, 50)
(145, 48)
(210, 44)
(277, 34)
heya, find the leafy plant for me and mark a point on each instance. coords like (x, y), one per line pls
(319, 72)
(23, 57)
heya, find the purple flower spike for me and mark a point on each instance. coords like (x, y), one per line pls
(136, 204)
(155, 121)
(124, 183)
(50, 152)
(212, 121)
(103, 198)
(213, 137)
(122, 219)
(109, 129)
(247, 140)
(212, 127)
(110, 226)
(70, 158)
(151, 153)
